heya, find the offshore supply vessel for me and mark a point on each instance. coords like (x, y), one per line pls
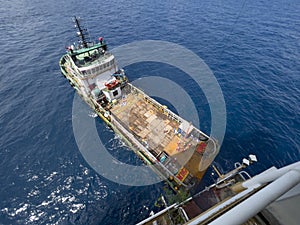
(174, 148)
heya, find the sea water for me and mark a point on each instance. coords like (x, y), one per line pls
(252, 48)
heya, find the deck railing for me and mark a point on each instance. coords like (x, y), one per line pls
(156, 104)
(169, 113)
(172, 115)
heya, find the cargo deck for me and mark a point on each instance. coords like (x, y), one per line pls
(173, 142)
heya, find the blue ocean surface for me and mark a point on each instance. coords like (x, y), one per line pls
(252, 48)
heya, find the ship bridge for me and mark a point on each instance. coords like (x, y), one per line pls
(97, 65)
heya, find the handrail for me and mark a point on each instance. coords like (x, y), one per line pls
(73, 64)
(179, 119)
(154, 102)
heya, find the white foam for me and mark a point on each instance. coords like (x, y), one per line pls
(5, 210)
(86, 171)
(44, 203)
(32, 193)
(50, 178)
(61, 200)
(76, 207)
(69, 180)
(33, 178)
(22, 209)
(35, 216)
(67, 199)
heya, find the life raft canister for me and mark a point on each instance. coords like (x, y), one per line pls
(111, 84)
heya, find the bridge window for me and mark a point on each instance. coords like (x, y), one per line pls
(115, 93)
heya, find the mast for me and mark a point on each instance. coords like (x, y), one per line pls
(81, 33)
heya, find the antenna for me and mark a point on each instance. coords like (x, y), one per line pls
(81, 32)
